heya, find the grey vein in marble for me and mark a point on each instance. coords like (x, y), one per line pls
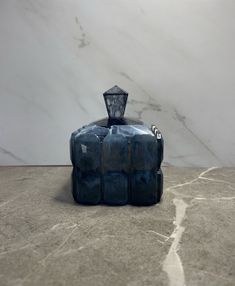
(12, 155)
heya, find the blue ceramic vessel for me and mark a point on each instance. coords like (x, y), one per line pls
(117, 160)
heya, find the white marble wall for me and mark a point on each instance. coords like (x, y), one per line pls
(175, 58)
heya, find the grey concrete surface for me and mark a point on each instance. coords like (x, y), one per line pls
(187, 239)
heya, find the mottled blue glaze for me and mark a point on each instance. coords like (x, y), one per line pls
(115, 188)
(115, 153)
(146, 187)
(116, 165)
(117, 160)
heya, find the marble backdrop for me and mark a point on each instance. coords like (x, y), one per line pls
(175, 58)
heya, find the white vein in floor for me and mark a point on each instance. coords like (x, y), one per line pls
(172, 264)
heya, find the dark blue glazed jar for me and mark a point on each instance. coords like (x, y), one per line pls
(117, 160)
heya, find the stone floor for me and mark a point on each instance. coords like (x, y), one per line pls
(187, 239)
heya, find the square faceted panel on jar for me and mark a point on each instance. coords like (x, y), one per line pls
(87, 152)
(145, 187)
(146, 152)
(115, 188)
(115, 153)
(86, 187)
